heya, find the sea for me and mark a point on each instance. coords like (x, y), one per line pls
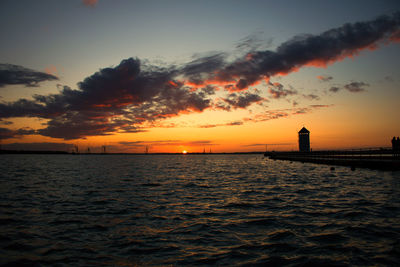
(195, 210)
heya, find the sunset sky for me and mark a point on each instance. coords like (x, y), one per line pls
(175, 75)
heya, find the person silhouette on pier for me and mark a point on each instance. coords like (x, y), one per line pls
(396, 146)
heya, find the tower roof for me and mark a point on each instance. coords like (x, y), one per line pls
(304, 130)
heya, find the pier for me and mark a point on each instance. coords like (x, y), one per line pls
(381, 159)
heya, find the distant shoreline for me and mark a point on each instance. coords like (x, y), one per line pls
(69, 153)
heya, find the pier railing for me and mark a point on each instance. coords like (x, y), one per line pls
(383, 158)
(362, 153)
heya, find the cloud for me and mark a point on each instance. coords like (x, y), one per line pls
(388, 78)
(277, 91)
(283, 113)
(242, 100)
(90, 3)
(251, 42)
(308, 50)
(311, 97)
(321, 106)
(356, 87)
(274, 144)
(6, 133)
(118, 99)
(270, 115)
(353, 87)
(324, 78)
(3, 122)
(39, 146)
(131, 96)
(167, 143)
(145, 143)
(52, 70)
(233, 123)
(15, 75)
(334, 89)
(199, 68)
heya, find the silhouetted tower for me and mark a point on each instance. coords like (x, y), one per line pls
(304, 140)
(147, 149)
(103, 149)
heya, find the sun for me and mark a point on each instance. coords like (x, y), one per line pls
(184, 152)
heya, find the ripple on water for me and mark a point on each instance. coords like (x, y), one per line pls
(194, 210)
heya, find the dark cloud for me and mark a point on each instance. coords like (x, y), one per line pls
(311, 97)
(6, 133)
(242, 100)
(324, 78)
(3, 122)
(198, 69)
(39, 146)
(251, 42)
(278, 91)
(14, 74)
(283, 113)
(321, 106)
(309, 50)
(118, 99)
(334, 89)
(354, 87)
(233, 123)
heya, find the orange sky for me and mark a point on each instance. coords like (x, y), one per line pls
(233, 90)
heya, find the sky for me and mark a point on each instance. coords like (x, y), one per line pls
(225, 76)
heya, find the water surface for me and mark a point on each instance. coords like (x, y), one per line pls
(121, 210)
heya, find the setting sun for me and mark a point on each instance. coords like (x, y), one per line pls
(184, 152)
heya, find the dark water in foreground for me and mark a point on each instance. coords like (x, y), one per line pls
(194, 210)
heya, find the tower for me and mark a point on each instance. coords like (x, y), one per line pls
(304, 140)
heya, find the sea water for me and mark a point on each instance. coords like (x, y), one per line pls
(124, 210)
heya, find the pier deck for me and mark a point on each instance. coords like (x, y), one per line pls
(372, 159)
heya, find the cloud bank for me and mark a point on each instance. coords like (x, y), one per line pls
(39, 146)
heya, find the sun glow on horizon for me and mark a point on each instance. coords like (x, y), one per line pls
(184, 152)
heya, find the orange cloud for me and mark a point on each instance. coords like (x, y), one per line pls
(52, 70)
(91, 3)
